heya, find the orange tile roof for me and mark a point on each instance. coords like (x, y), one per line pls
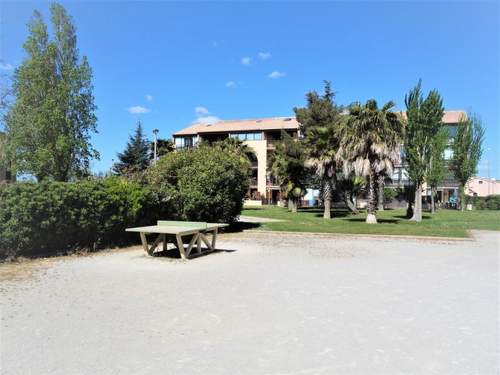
(449, 117)
(275, 123)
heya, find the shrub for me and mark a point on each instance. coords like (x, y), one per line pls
(58, 217)
(491, 202)
(208, 183)
(389, 195)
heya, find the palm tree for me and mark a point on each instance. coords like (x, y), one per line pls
(369, 145)
(319, 123)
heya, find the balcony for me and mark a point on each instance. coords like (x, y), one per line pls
(271, 181)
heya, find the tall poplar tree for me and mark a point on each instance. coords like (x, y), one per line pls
(467, 151)
(424, 122)
(53, 116)
(437, 164)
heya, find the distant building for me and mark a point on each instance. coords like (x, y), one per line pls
(261, 135)
(258, 134)
(482, 187)
(448, 189)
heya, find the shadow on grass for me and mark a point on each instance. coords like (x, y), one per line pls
(240, 227)
(379, 220)
(404, 217)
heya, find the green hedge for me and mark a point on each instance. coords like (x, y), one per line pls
(208, 183)
(491, 202)
(58, 217)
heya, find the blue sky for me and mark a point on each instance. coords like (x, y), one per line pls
(177, 62)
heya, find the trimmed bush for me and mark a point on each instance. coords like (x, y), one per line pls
(59, 217)
(491, 202)
(208, 183)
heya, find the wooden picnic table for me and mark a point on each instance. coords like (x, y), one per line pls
(179, 229)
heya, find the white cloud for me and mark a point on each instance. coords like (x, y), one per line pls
(149, 97)
(6, 66)
(137, 109)
(230, 84)
(276, 74)
(264, 55)
(246, 60)
(207, 120)
(201, 110)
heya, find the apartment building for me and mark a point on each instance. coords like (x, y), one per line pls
(448, 190)
(258, 134)
(261, 135)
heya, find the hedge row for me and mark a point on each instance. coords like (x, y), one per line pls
(58, 217)
(491, 202)
(206, 184)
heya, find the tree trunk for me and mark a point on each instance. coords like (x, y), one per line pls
(290, 204)
(327, 198)
(349, 203)
(433, 202)
(461, 194)
(295, 205)
(417, 211)
(380, 191)
(371, 217)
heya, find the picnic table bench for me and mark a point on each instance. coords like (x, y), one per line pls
(167, 229)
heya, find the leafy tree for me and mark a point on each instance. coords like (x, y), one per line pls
(163, 147)
(467, 151)
(424, 123)
(288, 165)
(207, 183)
(50, 122)
(319, 123)
(437, 164)
(370, 145)
(136, 156)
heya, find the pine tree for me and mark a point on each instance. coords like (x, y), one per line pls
(50, 123)
(288, 165)
(136, 156)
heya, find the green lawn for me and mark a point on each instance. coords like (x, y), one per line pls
(444, 223)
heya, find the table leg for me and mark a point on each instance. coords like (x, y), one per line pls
(180, 246)
(204, 239)
(198, 242)
(191, 244)
(144, 242)
(214, 237)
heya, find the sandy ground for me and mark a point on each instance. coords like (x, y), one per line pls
(270, 304)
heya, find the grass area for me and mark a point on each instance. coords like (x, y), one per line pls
(444, 223)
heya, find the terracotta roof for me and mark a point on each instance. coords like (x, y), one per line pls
(449, 117)
(274, 123)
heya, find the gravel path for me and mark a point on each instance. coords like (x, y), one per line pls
(296, 304)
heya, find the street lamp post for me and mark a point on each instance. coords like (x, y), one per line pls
(155, 132)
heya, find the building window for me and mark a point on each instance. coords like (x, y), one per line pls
(480, 182)
(247, 136)
(448, 154)
(185, 142)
